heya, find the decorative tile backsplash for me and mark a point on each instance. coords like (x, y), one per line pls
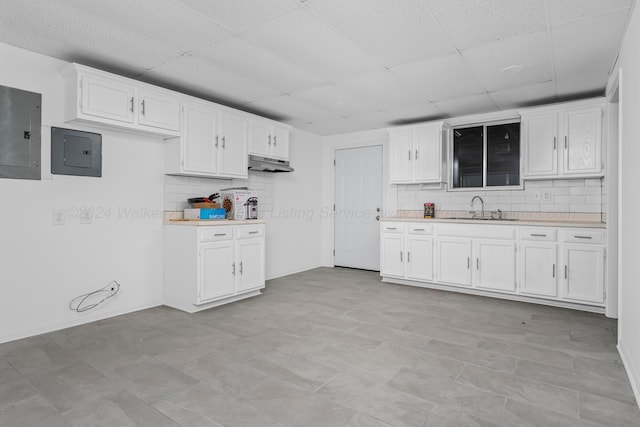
(177, 189)
(572, 195)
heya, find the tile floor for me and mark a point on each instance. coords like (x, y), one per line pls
(328, 347)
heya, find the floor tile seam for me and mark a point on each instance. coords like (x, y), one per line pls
(544, 408)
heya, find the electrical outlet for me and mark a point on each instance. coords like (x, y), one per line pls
(59, 216)
(546, 196)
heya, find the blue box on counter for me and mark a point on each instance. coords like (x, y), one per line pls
(205, 213)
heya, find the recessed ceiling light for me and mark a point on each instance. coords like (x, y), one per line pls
(512, 69)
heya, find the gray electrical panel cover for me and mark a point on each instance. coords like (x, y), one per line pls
(75, 152)
(20, 133)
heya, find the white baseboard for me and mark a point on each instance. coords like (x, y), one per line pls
(289, 273)
(75, 322)
(632, 371)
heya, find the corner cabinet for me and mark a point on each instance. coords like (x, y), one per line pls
(97, 97)
(562, 266)
(562, 143)
(416, 153)
(213, 143)
(269, 139)
(207, 266)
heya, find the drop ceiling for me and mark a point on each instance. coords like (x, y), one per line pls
(335, 66)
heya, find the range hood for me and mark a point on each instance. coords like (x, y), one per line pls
(265, 164)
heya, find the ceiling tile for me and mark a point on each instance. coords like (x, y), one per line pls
(331, 98)
(162, 20)
(439, 78)
(382, 89)
(420, 112)
(531, 51)
(292, 110)
(199, 77)
(525, 96)
(574, 86)
(84, 38)
(576, 49)
(565, 11)
(245, 59)
(470, 23)
(239, 15)
(392, 31)
(303, 38)
(470, 105)
(333, 127)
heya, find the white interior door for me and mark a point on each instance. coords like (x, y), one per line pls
(358, 197)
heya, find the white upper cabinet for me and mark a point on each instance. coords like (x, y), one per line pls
(562, 143)
(213, 143)
(107, 99)
(269, 139)
(416, 154)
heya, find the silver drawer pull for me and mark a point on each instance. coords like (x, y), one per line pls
(391, 228)
(538, 235)
(554, 271)
(220, 234)
(566, 272)
(583, 237)
(253, 232)
(418, 229)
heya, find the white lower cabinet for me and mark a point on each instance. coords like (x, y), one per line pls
(563, 264)
(206, 266)
(454, 260)
(495, 265)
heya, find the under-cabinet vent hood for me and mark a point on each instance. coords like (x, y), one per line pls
(265, 164)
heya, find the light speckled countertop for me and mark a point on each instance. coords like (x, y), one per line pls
(513, 222)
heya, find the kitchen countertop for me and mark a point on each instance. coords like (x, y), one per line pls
(213, 222)
(515, 222)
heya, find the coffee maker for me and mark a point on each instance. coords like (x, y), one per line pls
(252, 208)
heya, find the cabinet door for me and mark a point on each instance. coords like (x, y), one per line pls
(419, 258)
(250, 264)
(583, 273)
(538, 269)
(494, 264)
(427, 155)
(583, 141)
(400, 156)
(540, 142)
(392, 255)
(260, 138)
(454, 261)
(280, 142)
(199, 139)
(232, 146)
(216, 279)
(159, 110)
(107, 98)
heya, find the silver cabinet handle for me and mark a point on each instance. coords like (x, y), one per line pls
(555, 142)
(566, 271)
(400, 256)
(143, 107)
(409, 154)
(233, 268)
(377, 209)
(240, 267)
(378, 218)
(554, 271)
(269, 139)
(408, 256)
(583, 237)
(275, 140)
(220, 234)
(477, 263)
(223, 142)
(538, 235)
(565, 142)
(253, 232)
(132, 104)
(216, 140)
(418, 229)
(468, 263)
(416, 154)
(391, 228)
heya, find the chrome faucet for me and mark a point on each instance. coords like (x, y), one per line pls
(481, 204)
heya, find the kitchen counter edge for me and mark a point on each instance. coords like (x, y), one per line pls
(213, 222)
(519, 222)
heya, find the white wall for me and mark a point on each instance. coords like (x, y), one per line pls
(44, 266)
(629, 226)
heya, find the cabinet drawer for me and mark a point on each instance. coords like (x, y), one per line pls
(539, 234)
(420, 228)
(216, 233)
(582, 236)
(480, 231)
(250, 231)
(392, 227)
